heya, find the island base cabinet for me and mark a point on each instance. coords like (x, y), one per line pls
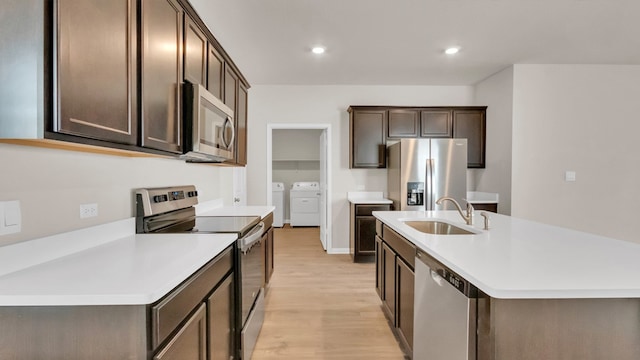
(405, 280)
(533, 329)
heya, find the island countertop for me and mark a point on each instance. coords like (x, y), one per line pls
(521, 259)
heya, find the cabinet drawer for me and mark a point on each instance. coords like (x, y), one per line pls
(366, 210)
(174, 308)
(402, 247)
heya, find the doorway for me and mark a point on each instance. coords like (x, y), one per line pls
(323, 160)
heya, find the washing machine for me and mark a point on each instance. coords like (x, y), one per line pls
(304, 203)
(278, 202)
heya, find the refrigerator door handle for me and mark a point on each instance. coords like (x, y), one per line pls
(429, 186)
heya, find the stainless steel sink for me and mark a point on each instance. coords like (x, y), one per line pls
(437, 228)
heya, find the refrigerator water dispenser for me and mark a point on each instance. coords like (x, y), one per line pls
(415, 193)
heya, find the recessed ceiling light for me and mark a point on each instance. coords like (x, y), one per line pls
(318, 50)
(452, 50)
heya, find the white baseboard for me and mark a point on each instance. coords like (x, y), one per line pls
(337, 251)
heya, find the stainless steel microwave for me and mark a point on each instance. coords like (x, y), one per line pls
(208, 126)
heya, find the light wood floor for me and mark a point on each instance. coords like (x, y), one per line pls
(321, 306)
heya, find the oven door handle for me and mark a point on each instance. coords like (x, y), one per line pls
(254, 236)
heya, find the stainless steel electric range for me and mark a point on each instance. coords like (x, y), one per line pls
(171, 210)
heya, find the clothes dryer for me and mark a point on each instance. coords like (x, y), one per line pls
(304, 205)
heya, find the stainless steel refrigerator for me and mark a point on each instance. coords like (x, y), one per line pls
(420, 171)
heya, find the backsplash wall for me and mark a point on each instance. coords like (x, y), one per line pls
(51, 184)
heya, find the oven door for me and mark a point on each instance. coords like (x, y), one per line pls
(209, 129)
(252, 256)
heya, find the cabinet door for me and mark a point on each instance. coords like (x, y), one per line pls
(215, 72)
(436, 123)
(404, 123)
(231, 100)
(221, 320)
(241, 126)
(368, 139)
(405, 279)
(379, 267)
(190, 341)
(470, 125)
(161, 74)
(230, 88)
(389, 282)
(365, 236)
(195, 53)
(268, 260)
(96, 49)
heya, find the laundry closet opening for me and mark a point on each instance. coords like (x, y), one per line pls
(298, 177)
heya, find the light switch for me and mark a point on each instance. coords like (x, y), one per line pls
(10, 217)
(570, 176)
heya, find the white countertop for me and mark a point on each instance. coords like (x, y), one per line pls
(126, 269)
(109, 264)
(517, 258)
(367, 197)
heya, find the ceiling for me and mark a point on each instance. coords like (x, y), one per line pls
(401, 42)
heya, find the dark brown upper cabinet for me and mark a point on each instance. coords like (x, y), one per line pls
(96, 70)
(161, 50)
(367, 142)
(215, 72)
(241, 126)
(436, 123)
(470, 124)
(404, 123)
(230, 87)
(231, 100)
(371, 126)
(195, 53)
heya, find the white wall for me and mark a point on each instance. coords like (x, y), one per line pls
(328, 105)
(582, 118)
(496, 92)
(51, 185)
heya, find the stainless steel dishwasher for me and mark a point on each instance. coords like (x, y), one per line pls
(445, 313)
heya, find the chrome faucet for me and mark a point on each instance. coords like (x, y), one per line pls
(467, 218)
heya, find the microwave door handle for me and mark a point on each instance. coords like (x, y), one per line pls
(228, 122)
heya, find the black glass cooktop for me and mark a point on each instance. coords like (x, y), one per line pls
(215, 224)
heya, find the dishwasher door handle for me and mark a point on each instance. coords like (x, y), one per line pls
(437, 278)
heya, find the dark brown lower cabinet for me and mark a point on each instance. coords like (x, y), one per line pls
(190, 341)
(486, 207)
(405, 281)
(362, 232)
(267, 240)
(269, 249)
(395, 281)
(197, 315)
(379, 266)
(389, 282)
(221, 321)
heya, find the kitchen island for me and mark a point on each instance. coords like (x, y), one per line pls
(544, 292)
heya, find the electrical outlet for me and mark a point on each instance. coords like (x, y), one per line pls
(88, 210)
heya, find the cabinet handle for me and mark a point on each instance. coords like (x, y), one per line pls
(437, 278)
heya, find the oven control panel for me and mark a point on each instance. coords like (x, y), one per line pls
(153, 201)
